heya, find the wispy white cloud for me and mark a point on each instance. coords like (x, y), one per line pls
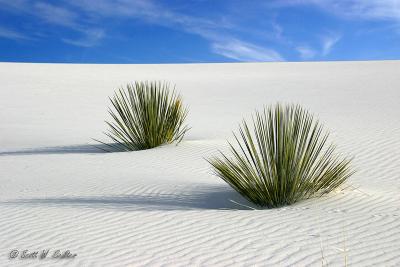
(306, 52)
(90, 38)
(365, 9)
(216, 31)
(220, 32)
(277, 31)
(12, 34)
(242, 51)
(139, 8)
(55, 14)
(63, 16)
(228, 33)
(352, 9)
(144, 10)
(15, 5)
(328, 42)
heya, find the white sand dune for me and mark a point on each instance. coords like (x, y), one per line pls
(163, 206)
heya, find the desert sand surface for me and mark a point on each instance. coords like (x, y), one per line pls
(163, 206)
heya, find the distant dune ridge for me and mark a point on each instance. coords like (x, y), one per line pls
(163, 206)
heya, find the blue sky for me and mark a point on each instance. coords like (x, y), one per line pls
(182, 31)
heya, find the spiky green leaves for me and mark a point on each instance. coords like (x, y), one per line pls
(146, 115)
(283, 159)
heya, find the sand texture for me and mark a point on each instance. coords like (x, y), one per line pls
(163, 207)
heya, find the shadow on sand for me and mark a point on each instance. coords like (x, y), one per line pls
(76, 149)
(208, 197)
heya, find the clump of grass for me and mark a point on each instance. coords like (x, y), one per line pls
(283, 159)
(145, 115)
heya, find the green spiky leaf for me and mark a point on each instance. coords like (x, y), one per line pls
(284, 158)
(145, 115)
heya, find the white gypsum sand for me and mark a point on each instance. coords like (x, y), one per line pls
(163, 206)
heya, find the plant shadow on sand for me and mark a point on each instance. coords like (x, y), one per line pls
(203, 198)
(75, 149)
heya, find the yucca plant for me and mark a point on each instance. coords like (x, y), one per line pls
(145, 115)
(284, 158)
